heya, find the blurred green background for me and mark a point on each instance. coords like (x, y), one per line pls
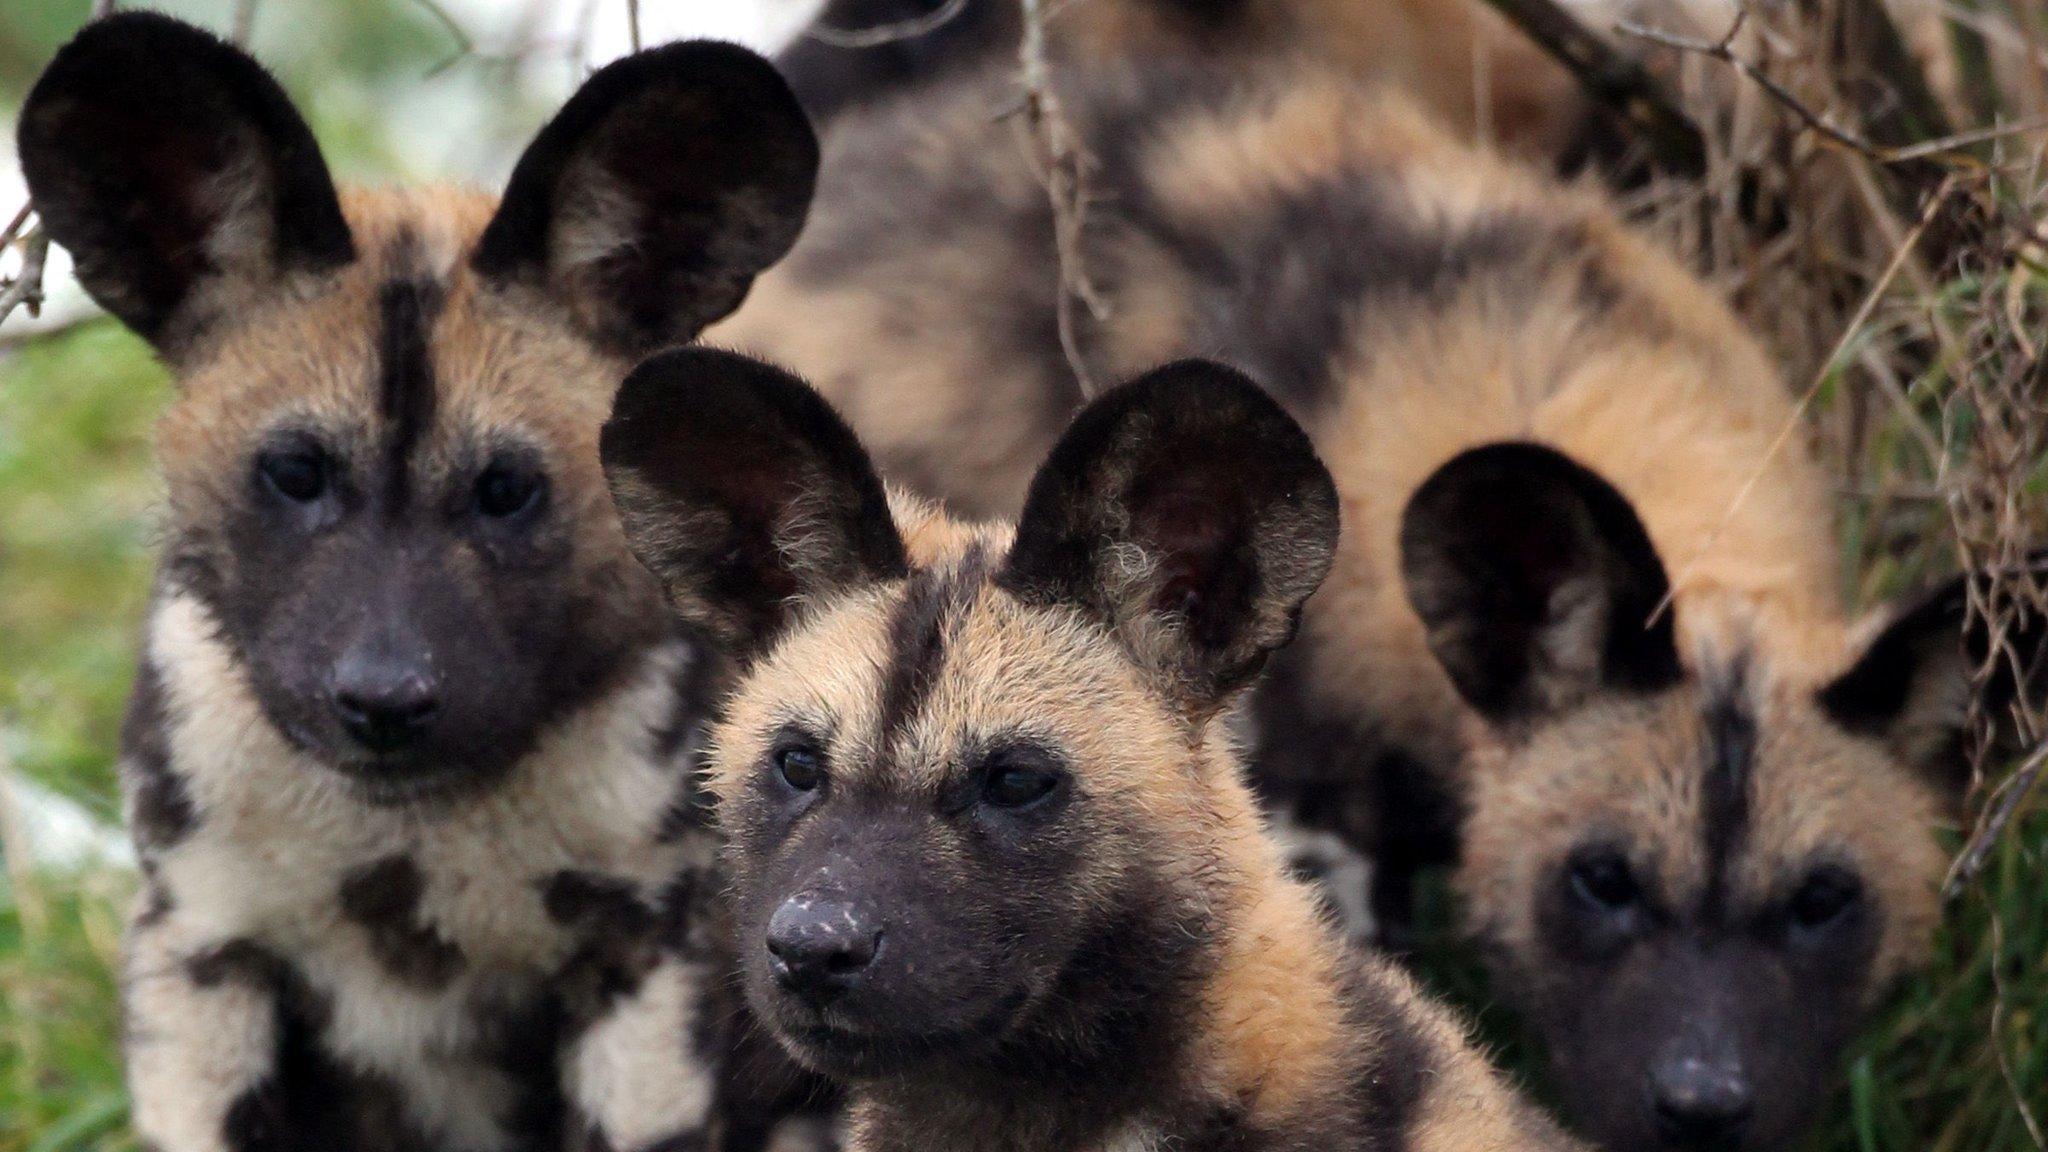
(395, 93)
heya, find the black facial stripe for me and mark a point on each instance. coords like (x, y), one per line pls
(406, 308)
(917, 635)
(1725, 781)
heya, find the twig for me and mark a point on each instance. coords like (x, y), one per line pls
(103, 8)
(464, 46)
(1062, 168)
(1962, 141)
(1998, 1010)
(2005, 803)
(1619, 81)
(1724, 51)
(1879, 153)
(633, 22)
(1820, 378)
(890, 33)
(25, 288)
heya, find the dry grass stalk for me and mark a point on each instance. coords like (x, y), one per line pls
(1062, 165)
(890, 33)
(24, 289)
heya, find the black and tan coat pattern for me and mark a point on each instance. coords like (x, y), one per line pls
(995, 862)
(1457, 57)
(409, 757)
(1681, 828)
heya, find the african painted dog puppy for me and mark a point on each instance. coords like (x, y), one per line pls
(1699, 842)
(408, 758)
(995, 862)
(1457, 56)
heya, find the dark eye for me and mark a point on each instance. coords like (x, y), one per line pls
(1019, 785)
(1602, 880)
(506, 490)
(800, 767)
(298, 474)
(1825, 897)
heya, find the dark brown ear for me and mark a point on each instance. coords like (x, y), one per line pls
(744, 492)
(1536, 583)
(1189, 513)
(177, 174)
(1913, 686)
(653, 198)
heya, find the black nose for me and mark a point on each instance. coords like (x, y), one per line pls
(821, 948)
(1700, 1102)
(385, 704)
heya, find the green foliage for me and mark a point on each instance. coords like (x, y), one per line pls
(76, 489)
(60, 1073)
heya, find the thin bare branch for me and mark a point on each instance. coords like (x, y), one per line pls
(1964, 141)
(25, 288)
(1724, 51)
(890, 33)
(1062, 167)
(245, 22)
(2005, 803)
(464, 46)
(1616, 80)
(633, 22)
(103, 8)
(1999, 1012)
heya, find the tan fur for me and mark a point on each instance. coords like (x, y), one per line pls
(917, 319)
(1269, 1032)
(278, 830)
(506, 361)
(1633, 769)
(1458, 58)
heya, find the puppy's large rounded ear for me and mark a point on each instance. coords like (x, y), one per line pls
(744, 492)
(177, 174)
(653, 198)
(1913, 685)
(1189, 513)
(1536, 583)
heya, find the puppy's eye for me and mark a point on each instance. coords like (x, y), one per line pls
(1825, 898)
(297, 474)
(1603, 881)
(1016, 783)
(800, 767)
(506, 490)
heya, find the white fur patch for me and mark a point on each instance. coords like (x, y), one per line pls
(277, 833)
(633, 1072)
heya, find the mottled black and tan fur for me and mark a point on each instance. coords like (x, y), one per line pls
(1459, 58)
(409, 757)
(1699, 841)
(995, 862)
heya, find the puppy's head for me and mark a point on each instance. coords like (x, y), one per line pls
(382, 459)
(966, 775)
